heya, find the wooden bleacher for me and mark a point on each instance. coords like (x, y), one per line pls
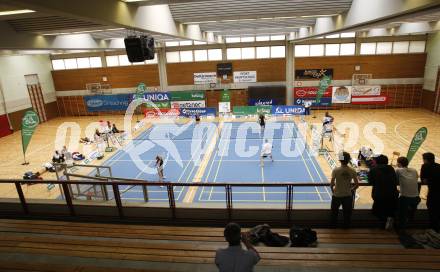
(35, 245)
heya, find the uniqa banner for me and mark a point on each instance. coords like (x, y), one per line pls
(28, 124)
(188, 104)
(116, 102)
(289, 110)
(188, 112)
(245, 76)
(416, 142)
(187, 95)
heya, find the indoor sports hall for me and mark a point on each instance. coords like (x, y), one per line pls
(219, 135)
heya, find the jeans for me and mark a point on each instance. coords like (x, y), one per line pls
(407, 208)
(347, 207)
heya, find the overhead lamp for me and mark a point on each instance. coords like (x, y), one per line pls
(14, 12)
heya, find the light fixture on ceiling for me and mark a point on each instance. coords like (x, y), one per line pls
(128, 1)
(315, 16)
(14, 12)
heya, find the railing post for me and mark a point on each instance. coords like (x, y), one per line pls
(22, 198)
(145, 190)
(68, 198)
(171, 200)
(118, 201)
(289, 203)
(228, 190)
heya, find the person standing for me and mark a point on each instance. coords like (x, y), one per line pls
(234, 258)
(159, 167)
(409, 191)
(266, 151)
(262, 122)
(430, 174)
(343, 190)
(385, 195)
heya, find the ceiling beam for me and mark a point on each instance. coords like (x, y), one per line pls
(154, 19)
(367, 14)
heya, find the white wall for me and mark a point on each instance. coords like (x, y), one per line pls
(12, 81)
(433, 61)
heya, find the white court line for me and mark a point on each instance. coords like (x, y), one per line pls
(218, 168)
(250, 192)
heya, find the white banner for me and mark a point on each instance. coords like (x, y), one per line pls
(245, 76)
(224, 107)
(188, 104)
(341, 95)
(205, 78)
(365, 91)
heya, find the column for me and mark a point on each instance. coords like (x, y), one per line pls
(290, 71)
(162, 64)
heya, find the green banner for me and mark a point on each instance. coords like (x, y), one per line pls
(416, 142)
(187, 96)
(225, 96)
(160, 105)
(28, 124)
(323, 85)
(251, 110)
(140, 90)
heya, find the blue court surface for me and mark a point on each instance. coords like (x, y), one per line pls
(220, 153)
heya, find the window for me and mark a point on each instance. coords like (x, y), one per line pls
(277, 52)
(70, 63)
(332, 49)
(417, 47)
(277, 37)
(83, 62)
(347, 49)
(199, 43)
(368, 48)
(384, 48)
(215, 54)
(262, 38)
(316, 50)
(233, 53)
(58, 64)
(263, 52)
(247, 39)
(348, 35)
(334, 36)
(186, 56)
(153, 61)
(232, 39)
(248, 53)
(95, 62)
(400, 47)
(302, 50)
(167, 44)
(173, 57)
(112, 61)
(185, 43)
(200, 55)
(123, 60)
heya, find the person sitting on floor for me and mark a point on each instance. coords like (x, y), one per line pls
(235, 258)
(116, 130)
(57, 157)
(85, 140)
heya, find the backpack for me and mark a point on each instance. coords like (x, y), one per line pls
(263, 233)
(302, 237)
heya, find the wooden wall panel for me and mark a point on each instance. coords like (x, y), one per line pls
(52, 110)
(118, 77)
(387, 66)
(428, 100)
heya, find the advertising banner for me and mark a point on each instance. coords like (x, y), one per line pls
(225, 96)
(324, 83)
(205, 78)
(341, 95)
(262, 102)
(366, 100)
(325, 101)
(188, 104)
(311, 92)
(29, 122)
(161, 105)
(116, 102)
(224, 107)
(188, 112)
(310, 74)
(252, 110)
(365, 90)
(245, 76)
(151, 113)
(416, 142)
(187, 95)
(290, 110)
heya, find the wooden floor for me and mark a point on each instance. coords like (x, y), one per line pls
(73, 246)
(400, 124)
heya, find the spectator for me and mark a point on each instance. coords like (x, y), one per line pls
(343, 189)
(383, 178)
(409, 191)
(235, 258)
(430, 174)
(116, 130)
(57, 157)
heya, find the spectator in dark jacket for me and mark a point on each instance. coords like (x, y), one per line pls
(430, 174)
(385, 195)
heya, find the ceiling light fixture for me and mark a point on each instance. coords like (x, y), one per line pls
(14, 12)
(314, 16)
